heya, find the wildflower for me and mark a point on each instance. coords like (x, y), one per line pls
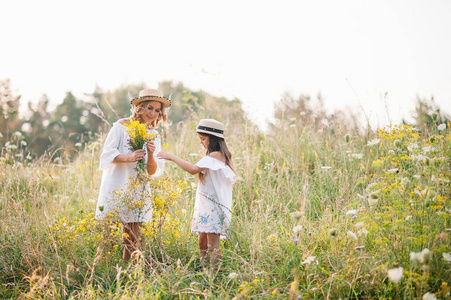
(395, 170)
(232, 275)
(395, 275)
(308, 260)
(78, 145)
(292, 125)
(352, 235)
(23, 143)
(18, 133)
(429, 296)
(408, 217)
(441, 126)
(362, 231)
(357, 155)
(297, 228)
(351, 212)
(373, 142)
(446, 256)
(325, 167)
(296, 215)
(422, 257)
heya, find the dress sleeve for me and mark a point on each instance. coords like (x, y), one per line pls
(214, 164)
(110, 148)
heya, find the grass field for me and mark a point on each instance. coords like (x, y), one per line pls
(317, 214)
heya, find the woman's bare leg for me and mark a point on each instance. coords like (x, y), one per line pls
(130, 238)
(203, 245)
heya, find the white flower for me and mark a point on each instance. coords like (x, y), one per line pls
(78, 145)
(18, 133)
(429, 296)
(296, 229)
(23, 143)
(325, 167)
(422, 257)
(393, 170)
(352, 235)
(408, 217)
(441, 126)
(232, 275)
(308, 260)
(395, 275)
(351, 212)
(359, 225)
(362, 231)
(373, 142)
(412, 146)
(391, 152)
(427, 149)
(292, 125)
(357, 155)
(446, 256)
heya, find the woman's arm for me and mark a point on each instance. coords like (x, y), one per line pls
(190, 168)
(135, 156)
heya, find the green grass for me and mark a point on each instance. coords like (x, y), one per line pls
(51, 247)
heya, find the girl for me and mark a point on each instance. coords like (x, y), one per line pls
(212, 209)
(118, 163)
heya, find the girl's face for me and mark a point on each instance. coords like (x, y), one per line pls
(152, 112)
(204, 140)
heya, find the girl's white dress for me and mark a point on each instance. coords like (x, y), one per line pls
(213, 207)
(117, 176)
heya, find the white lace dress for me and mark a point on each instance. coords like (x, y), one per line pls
(213, 206)
(116, 176)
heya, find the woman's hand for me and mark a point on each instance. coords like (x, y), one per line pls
(150, 147)
(165, 155)
(137, 155)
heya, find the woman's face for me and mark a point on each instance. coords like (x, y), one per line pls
(152, 112)
(204, 140)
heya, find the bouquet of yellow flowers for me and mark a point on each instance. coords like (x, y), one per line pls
(138, 138)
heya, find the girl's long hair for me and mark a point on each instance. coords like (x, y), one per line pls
(139, 109)
(217, 144)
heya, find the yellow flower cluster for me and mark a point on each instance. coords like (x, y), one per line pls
(398, 132)
(138, 134)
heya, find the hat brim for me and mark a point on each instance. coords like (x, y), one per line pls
(164, 101)
(221, 135)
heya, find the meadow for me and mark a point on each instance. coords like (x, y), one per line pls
(319, 213)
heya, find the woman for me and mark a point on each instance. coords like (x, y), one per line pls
(118, 163)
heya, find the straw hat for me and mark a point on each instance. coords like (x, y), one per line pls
(211, 126)
(151, 95)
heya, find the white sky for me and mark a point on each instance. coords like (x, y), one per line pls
(350, 51)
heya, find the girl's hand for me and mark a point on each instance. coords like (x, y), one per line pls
(137, 155)
(150, 147)
(165, 155)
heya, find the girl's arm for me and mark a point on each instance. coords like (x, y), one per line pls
(190, 168)
(151, 163)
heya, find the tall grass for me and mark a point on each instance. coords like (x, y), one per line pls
(318, 213)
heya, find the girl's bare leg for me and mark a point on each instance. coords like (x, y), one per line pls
(203, 245)
(213, 248)
(130, 238)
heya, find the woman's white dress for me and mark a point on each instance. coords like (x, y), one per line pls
(213, 206)
(117, 176)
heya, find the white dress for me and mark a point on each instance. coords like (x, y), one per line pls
(116, 176)
(213, 206)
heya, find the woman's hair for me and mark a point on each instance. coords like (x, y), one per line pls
(217, 144)
(138, 110)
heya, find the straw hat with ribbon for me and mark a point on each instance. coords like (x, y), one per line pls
(151, 95)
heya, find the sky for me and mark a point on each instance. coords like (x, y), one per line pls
(371, 57)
